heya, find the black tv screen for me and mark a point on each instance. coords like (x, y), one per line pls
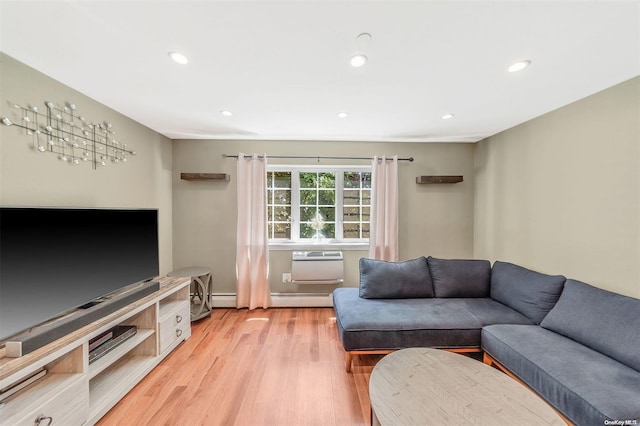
(54, 260)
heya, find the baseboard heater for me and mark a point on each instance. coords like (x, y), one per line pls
(281, 300)
(317, 267)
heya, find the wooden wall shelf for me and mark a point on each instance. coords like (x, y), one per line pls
(205, 176)
(438, 179)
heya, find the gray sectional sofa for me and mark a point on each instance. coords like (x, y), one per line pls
(575, 345)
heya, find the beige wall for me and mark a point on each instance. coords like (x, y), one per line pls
(434, 219)
(560, 193)
(30, 178)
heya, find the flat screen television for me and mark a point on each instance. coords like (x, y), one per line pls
(56, 260)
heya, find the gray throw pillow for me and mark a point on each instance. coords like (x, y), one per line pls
(605, 321)
(380, 279)
(529, 292)
(459, 277)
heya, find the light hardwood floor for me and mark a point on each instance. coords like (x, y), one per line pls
(282, 366)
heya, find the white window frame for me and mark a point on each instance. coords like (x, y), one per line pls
(295, 241)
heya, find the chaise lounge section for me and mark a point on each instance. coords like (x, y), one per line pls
(583, 359)
(577, 346)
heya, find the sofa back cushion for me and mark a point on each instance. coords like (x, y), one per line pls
(531, 293)
(460, 278)
(604, 321)
(380, 279)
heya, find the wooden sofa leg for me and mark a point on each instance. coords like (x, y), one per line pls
(349, 359)
(487, 359)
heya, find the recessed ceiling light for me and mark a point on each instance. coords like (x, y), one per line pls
(178, 57)
(519, 66)
(226, 113)
(358, 60)
(343, 114)
(447, 116)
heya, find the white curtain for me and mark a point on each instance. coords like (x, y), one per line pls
(252, 251)
(383, 237)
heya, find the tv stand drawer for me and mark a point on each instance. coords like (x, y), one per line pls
(54, 404)
(175, 325)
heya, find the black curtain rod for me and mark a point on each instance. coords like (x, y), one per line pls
(410, 159)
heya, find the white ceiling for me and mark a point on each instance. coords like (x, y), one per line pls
(283, 68)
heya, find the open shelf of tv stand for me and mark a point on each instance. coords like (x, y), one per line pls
(116, 382)
(76, 392)
(99, 365)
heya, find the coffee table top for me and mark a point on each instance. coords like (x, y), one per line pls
(420, 386)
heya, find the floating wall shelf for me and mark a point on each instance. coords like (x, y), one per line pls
(205, 176)
(438, 179)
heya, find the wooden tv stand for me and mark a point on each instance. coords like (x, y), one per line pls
(76, 392)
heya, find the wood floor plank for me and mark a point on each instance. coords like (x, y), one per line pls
(282, 366)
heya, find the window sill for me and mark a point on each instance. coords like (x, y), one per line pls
(304, 246)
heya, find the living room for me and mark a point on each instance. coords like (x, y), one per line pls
(557, 191)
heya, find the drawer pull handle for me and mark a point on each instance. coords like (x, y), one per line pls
(178, 318)
(178, 332)
(41, 418)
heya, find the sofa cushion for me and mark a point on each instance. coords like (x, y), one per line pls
(583, 384)
(460, 278)
(531, 293)
(605, 321)
(380, 279)
(368, 324)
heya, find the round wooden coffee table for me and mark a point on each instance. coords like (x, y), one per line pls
(421, 386)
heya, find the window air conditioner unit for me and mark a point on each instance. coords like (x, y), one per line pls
(317, 267)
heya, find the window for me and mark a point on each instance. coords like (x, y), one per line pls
(331, 204)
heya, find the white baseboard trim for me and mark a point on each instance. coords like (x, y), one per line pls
(280, 300)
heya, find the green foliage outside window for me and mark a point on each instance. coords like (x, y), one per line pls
(279, 205)
(317, 197)
(356, 205)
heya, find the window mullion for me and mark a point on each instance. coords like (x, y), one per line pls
(360, 207)
(295, 205)
(339, 197)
